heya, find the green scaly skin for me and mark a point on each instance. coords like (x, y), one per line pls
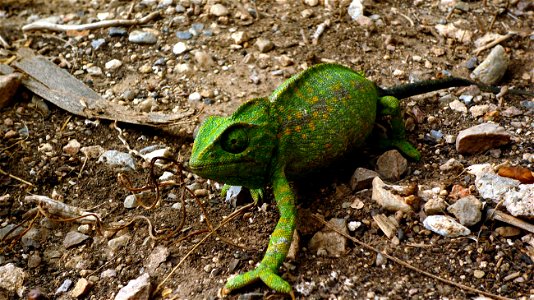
(310, 120)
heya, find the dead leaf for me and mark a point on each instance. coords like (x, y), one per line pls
(522, 174)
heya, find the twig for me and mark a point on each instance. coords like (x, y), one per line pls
(506, 218)
(16, 178)
(40, 25)
(319, 31)
(495, 42)
(4, 42)
(407, 265)
(412, 24)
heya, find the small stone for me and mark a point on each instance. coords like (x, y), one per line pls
(179, 48)
(92, 151)
(114, 158)
(34, 260)
(311, 3)
(203, 59)
(307, 13)
(119, 242)
(194, 97)
(96, 44)
(492, 69)
(458, 106)
(480, 138)
(183, 68)
(147, 105)
(12, 279)
(479, 110)
(156, 257)
(507, 231)
(9, 85)
(94, 70)
(239, 37)
(201, 192)
(451, 31)
(184, 35)
(467, 210)
(145, 69)
(130, 202)
(65, 286)
(218, 10)
(113, 64)
(392, 165)
(511, 111)
(362, 179)
(471, 63)
(142, 37)
(479, 274)
(74, 238)
(355, 9)
(109, 273)
(435, 206)
(366, 22)
(445, 226)
(264, 45)
(138, 289)
(353, 225)
(10, 134)
(81, 288)
(72, 147)
(329, 241)
(451, 164)
(384, 196)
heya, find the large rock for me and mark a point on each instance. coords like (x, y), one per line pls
(480, 138)
(467, 210)
(391, 165)
(492, 69)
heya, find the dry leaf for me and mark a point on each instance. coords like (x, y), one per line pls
(522, 174)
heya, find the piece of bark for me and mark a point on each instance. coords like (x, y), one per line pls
(65, 91)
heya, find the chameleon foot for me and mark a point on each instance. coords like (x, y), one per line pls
(267, 275)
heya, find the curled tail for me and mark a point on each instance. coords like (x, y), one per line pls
(417, 88)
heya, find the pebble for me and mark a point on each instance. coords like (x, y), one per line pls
(471, 63)
(136, 289)
(10, 134)
(183, 68)
(355, 9)
(203, 59)
(479, 274)
(511, 111)
(92, 151)
(194, 97)
(72, 147)
(445, 226)
(196, 28)
(201, 192)
(392, 165)
(435, 206)
(109, 273)
(12, 279)
(117, 31)
(466, 99)
(145, 69)
(179, 48)
(383, 194)
(218, 10)
(94, 70)
(353, 225)
(264, 45)
(118, 242)
(156, 257)
(329, 242)
(467, 210)
(96, 44)
(528, 104)
(366, 22)
(480, 138)
(362, 179)
(114, 158)
(492, 69)
(184, 35)
(81, 288)
(34, 260)
(113, 64)
(65, 286)
(147, 105)
(458, 106)
(74, 238)
(142, 37)
(131, 202)
(451, 31)
(451, 164)
(479, 110)
(311, 3)
(239, 37)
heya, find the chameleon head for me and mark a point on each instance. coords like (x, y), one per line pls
(238, 149)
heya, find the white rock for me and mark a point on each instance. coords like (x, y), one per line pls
(458, 106)
(479, 110)
(195, 97)
(239, 37)
(492, 69)
(452, 31)
(94, 70)
(356, 9)
(138, 289)
(445, 226)
(113, 64)
(218, 10)
(116, 158)
(467, 210)
(12, 279)
(386, 198)
(329, 242)
(311, 2)
(179, 48)
(72, 147)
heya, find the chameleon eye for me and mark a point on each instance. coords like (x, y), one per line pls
(235, 140)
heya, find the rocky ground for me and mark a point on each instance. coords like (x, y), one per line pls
(211, 56)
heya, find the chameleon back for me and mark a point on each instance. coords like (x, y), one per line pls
(323, 113)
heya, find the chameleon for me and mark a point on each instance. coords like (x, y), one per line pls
(310, 120)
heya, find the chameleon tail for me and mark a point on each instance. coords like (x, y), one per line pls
(417, 88)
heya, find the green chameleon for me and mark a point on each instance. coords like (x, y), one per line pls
(310, 120)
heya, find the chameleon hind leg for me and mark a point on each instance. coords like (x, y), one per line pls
(390, 105)
(278, 247)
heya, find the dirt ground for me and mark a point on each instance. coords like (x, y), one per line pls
(397, 43)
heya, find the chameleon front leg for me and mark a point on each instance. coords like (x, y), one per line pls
(279, 244)
(390, 105)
